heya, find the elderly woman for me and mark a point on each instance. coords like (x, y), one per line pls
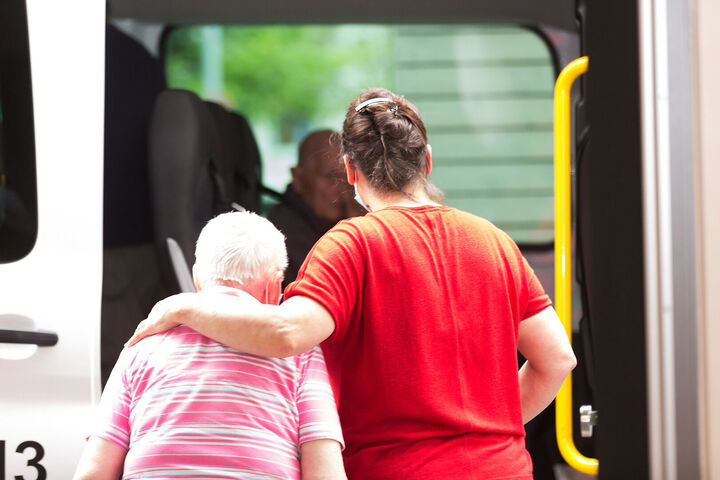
(420, 309)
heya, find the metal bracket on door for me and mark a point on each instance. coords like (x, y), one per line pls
(588, 419)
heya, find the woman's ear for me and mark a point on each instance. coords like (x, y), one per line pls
(429, 159)
(349, 170)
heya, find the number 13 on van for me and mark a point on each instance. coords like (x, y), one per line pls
(34, 462)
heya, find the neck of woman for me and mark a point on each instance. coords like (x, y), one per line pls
(414, 196)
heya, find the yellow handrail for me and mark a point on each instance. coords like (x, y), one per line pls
(563, 265)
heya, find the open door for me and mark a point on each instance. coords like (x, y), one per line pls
(610, 223)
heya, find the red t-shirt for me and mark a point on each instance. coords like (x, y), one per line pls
(426, 302)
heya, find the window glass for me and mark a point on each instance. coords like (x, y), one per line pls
(485, 93)
(18, 197)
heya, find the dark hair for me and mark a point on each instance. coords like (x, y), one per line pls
(387, 141)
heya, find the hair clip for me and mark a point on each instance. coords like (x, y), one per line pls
(393, 110)
(371, 102)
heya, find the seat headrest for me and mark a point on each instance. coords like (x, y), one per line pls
(203, 159)
(238, 160)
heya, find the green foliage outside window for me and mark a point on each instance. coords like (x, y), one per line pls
(485, 92)
(285, 75)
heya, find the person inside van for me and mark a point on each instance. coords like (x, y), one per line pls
(181, 404)
(313, 202)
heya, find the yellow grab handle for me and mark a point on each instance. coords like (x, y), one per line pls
(563, 265)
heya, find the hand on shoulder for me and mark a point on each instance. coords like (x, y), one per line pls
(166, 314)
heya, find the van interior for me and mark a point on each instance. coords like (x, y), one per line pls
(206, 102)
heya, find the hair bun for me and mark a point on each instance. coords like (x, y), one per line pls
(384, 136)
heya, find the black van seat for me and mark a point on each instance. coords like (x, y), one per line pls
(182, 140)
(203, 159)
(238, 162)
(131, 277)
(251, 164)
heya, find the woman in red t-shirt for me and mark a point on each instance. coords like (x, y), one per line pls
(420, 309)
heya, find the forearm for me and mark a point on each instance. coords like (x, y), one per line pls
(250, 326)
(537, 390)
(242, 322)
(245, 325)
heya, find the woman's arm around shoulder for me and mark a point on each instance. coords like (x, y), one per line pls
(243, 323)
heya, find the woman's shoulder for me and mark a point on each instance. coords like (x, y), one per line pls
(345, 233)
(396, 217)
(349, 226)
(356, 226)
(360, 231)
(399, 214)
(453, 215)
(481, 226)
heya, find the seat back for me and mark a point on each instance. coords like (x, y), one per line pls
(181, 143)
(203, 159)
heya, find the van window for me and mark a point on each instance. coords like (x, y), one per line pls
(18, 197)
(485, 93)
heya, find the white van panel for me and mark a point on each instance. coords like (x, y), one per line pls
(48, 397)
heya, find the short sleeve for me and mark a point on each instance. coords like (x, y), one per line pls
(112, 421)
(333, 274)
(318, 416)
(537, 299)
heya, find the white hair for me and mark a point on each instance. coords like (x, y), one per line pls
(239, 247)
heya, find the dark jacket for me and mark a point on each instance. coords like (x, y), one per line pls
(294, 218)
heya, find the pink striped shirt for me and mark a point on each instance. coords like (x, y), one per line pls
(185, 406)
